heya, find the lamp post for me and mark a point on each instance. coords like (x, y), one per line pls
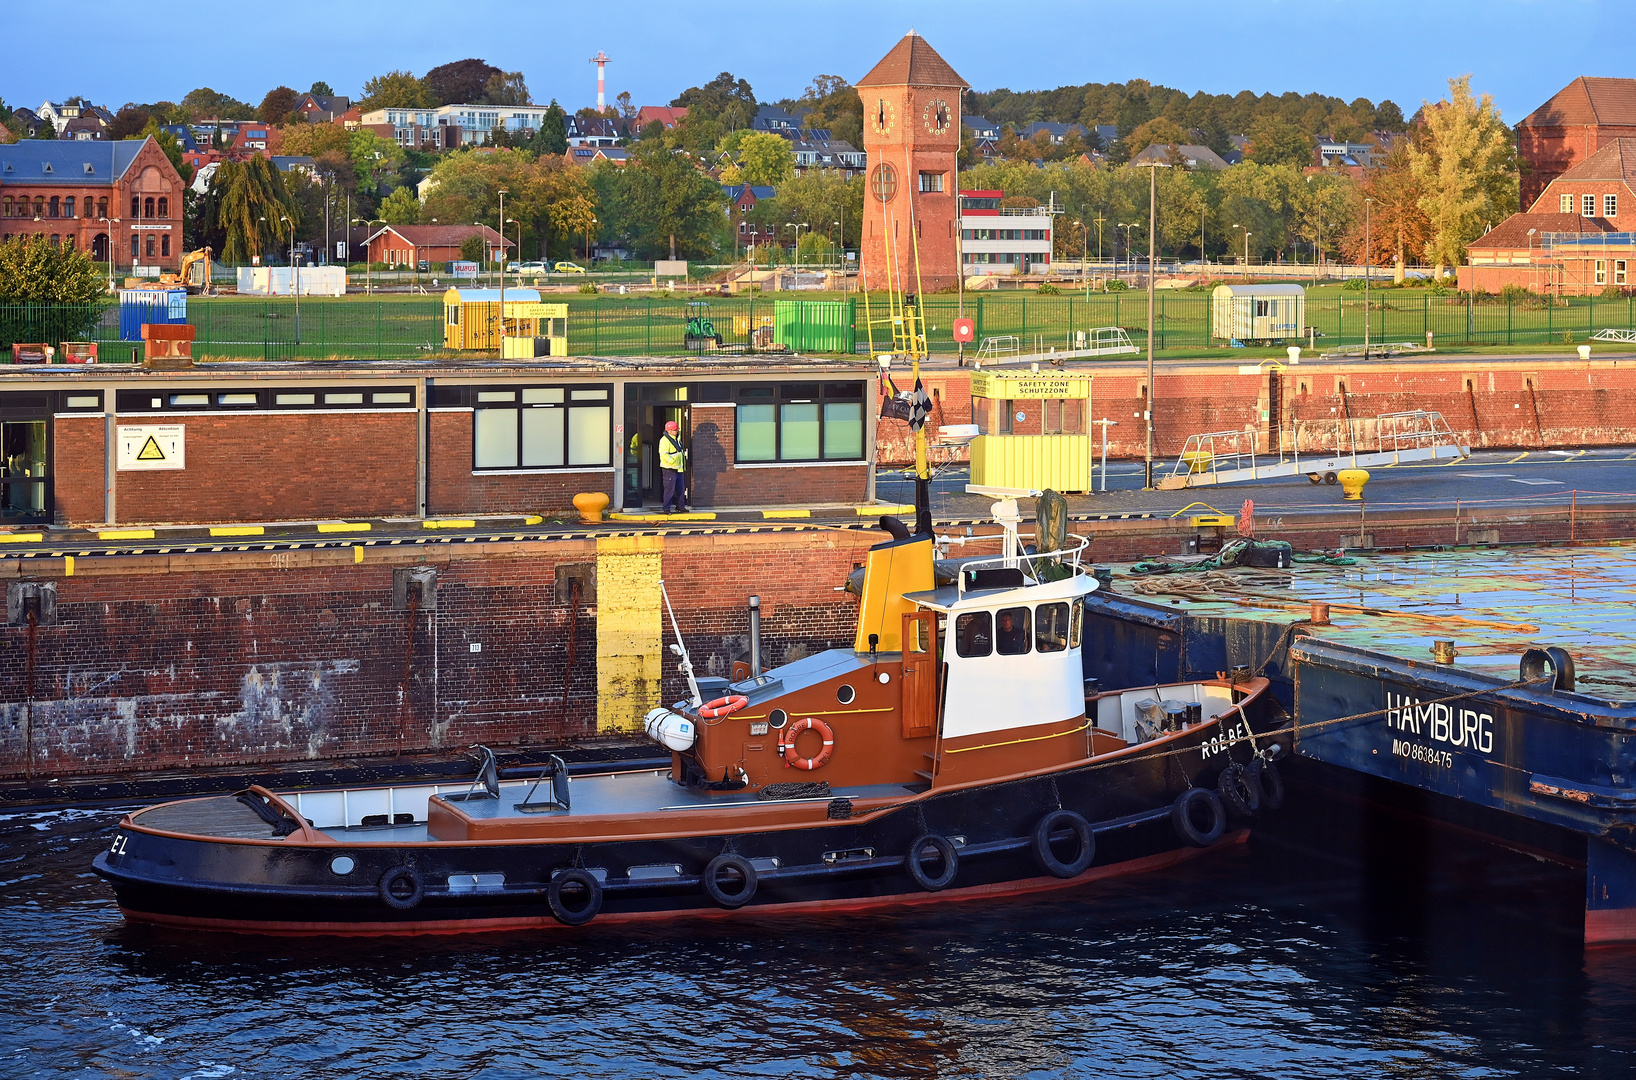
(834, 251)
(368, 263)
(796, 250)
(502, 217)
(1368, 261)
(588, 242)
(1244, 271)
(1117, 226)
(1152, 240)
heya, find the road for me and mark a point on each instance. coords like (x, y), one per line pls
(1487, 479)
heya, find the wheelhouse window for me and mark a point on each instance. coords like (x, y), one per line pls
(1011, 636)
(974, 634)
(800, 422)
(1051, 628)
(541, 427)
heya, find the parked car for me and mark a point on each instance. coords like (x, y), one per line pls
(535, 267)
(422, 266)
(569, 268)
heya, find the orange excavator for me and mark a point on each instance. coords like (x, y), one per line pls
(193, 274)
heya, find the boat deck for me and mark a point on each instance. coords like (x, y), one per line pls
(1492, 603)
(219, 815)
(646, 792)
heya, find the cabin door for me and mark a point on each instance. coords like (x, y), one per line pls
(919, 674)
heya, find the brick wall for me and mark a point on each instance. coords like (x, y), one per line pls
(261, 657)
(453, 489)
(77, 483)
(270, 468)
(717, 482)
(1493, 403)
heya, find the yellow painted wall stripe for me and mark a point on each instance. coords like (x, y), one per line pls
(237, 530)
(344, 526)
(449, 523)
(629, 629)
(125, 534)
(771, 514)
(68, 565)
(357, 554)
(703, 515)
(21, 538)
(884, 508)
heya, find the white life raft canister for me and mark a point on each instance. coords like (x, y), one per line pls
(670, 730)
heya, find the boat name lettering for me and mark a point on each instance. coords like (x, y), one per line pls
(117, 848)
(1416, 752)
(1464, 728)
(1224, 740)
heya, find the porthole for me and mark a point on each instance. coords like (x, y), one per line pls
(884, 677)
(341, 865)
(845, 694)
(778, 718)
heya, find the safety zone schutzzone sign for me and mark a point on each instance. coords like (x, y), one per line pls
(152, 446)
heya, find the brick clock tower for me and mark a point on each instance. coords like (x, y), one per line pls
(911, 134)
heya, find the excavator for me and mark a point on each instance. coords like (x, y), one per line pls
(194, 273)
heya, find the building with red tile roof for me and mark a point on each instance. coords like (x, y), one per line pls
(411, 245)
(1575, 123)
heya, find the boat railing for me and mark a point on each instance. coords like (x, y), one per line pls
(1030, 564)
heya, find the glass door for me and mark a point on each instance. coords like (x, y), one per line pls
(23, 470)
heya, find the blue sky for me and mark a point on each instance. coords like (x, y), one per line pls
(1521, 51)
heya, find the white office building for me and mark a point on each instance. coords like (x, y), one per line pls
(997, 239)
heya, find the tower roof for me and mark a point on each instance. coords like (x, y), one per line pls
(1587, 100)
(1614, 161)
(912, 62)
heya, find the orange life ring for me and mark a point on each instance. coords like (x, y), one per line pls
(786, 744)
(723, 706)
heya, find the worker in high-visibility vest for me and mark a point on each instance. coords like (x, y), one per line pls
(673, 465)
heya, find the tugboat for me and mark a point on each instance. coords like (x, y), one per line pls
(956, 751)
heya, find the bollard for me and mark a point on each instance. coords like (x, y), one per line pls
(590, 505)
(1443, 651)
(1352, 481)
(1294, 352)
(1320, 613)
(1584, 352)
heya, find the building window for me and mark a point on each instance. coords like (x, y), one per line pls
(1619, 271)
(102, 207)
(1601, 271)
(931, 181)
(542, 427)
(136, 207)
(800, 422)
(164, 208)
(1587, 206)
(1566, 204)
(164, 245)
(1610, 206)
(56, 207)
(68, 206)
(150, 247)
(136, 251)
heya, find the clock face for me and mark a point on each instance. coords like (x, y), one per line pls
(881, 116)
(937, 116)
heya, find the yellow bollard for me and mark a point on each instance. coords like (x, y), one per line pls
(590, 505)
(1198, 460)
(1352, 481)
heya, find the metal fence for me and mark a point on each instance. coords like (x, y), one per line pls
(401, 328)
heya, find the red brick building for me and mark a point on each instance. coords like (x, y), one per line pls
(911, 138)
(86, 194)
(411, 245)
(1576, 238)
(1575, 123)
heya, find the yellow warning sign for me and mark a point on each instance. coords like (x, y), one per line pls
(152, 446)
(150, 451)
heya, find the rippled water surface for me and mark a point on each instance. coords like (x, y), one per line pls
(1275, 958)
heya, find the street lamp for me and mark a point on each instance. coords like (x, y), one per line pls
(588, 242)
(1152, 240)
(368, 262)
(796, 250)
(1368, 261)
(1130, 257)
(1084, 253)
(834, 251)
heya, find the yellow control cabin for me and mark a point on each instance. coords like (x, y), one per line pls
(1034, 431)
(471, 320)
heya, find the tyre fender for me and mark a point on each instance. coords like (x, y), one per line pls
(1192, 804)
(1238, 791)
(717, 891)
(388, 894)
(572, 916)
(914, 864)
(1056, 821)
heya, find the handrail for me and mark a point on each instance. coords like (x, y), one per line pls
(1068, 556)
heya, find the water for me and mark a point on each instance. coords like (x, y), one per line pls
(1319, 949)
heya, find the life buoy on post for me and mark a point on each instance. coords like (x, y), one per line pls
(786, 744)
(723, 706)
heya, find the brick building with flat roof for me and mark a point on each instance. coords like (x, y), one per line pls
(85, 195)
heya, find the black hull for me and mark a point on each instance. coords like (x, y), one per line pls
(288, 887)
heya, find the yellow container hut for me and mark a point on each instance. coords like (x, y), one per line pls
(471, 320)
(1034, 431)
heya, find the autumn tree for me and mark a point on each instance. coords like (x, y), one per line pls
(1160, 131)
(506, 88)
(461, 82)
(246, 210)
(1397, 228)
(549, 197)
(277, 105)
(395, 90)
(1464, 160)
(1276, 141)
(62, 280)
(207, 104)
(660, 205)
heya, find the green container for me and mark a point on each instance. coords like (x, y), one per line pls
(816, 326)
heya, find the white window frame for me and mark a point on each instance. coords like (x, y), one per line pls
(1619, 271)
(1587, 206)
(1601, 271)
(1566, 203)
(1610, 206)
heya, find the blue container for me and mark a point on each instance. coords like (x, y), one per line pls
(138, 306)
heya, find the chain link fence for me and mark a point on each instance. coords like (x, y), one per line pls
(410, 327)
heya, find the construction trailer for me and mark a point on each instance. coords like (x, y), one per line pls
(472, 320)
(1034, 431)
(1260, 313)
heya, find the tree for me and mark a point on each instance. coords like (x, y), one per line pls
(373, 157)
(1160, 131)
(132, 118)
(461, 82)
(541, 190)
(1397, 225)
(474, 249)
(206, 104)
(396, 90)
(1274, 141)
(627, 110)
(552, 138)
(314, 140)
(277, 105)
(171, 145)
(765, 159)
(658, 203)
(400, 208)
(247, 208)
(1464, 160)
(321, 89)
(63, 280)
(506, 88)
